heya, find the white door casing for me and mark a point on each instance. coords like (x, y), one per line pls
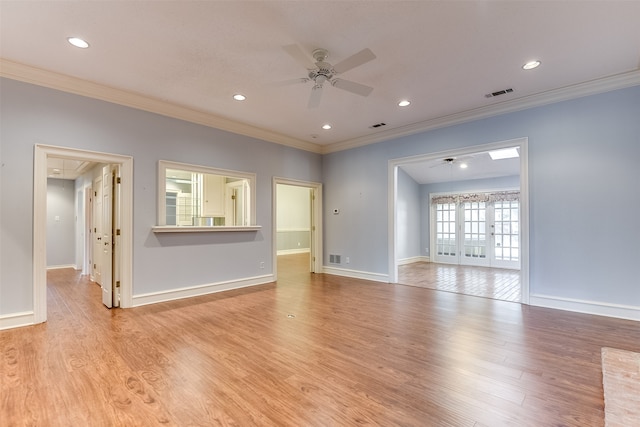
(41, 154)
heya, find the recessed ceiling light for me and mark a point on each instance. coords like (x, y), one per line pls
(463, 165)
(507, 153)
(239, 97)
(326, 127)
(78, 42)
(531, 65)
(404, 103)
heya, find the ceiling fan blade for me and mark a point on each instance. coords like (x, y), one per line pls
(316, 95)
(289, 82)
(298, 54)
(355, 60)
(352, 87)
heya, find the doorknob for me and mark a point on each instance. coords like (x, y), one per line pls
(99, 238)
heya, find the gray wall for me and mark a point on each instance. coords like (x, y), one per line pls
(61, 222)
(32, 115)
(583, 178)
(583, 175)
(409, 216)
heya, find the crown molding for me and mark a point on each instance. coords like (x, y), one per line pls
(28, 74)
(606, 84)
(37, 76)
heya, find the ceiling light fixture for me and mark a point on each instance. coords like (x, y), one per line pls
(463, 165)
(404, 103)
(507, 153)
(78, 42)
(531, 65)
(239, 97)
(326, 127)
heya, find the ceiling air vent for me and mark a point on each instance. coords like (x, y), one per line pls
(498, 93)
(377, 125)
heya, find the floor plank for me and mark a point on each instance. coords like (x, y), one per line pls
(354, 353)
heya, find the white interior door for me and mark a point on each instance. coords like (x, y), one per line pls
(96, 255)
(107, 236)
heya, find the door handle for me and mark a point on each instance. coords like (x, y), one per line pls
(99, 238)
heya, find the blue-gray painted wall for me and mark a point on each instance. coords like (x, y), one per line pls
(584, 180)
(35, 115)
(584, 175)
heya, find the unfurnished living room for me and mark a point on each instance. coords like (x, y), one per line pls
(319, 213)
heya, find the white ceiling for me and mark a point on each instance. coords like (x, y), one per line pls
(444, 56)
(448, 168)
(61, 168)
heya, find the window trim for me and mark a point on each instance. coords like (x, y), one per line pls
(161, 214)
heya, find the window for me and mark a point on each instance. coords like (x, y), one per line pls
(199, 196)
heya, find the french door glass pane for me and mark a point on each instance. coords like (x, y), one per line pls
(446, 229)
(475, 231)
(507, 242)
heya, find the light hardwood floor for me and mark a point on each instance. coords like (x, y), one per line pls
(356, 353)
(495, 283)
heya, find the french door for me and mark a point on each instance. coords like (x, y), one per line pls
(478, 233)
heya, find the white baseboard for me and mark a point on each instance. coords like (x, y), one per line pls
(376, 277)
(588, 307)
(58, 267)
(293, 251)
(16, 320)
(194, 291)
(413, 259)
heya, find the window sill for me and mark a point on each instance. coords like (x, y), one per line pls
(202, 229)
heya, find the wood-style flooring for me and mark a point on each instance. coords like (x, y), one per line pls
(309, 350)
(495, 283)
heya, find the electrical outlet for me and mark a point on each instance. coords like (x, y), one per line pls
(347, 260)
(261, 264)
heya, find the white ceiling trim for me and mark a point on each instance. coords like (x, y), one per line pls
(28, 74)
(606, 84)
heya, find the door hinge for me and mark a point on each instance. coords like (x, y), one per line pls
(94, 266)
(313, 228)
(118, 180)
(117, 232)
(95, 194)
(314, 258)
(95, 230)
(117, 283)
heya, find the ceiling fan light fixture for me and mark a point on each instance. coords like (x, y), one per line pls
(531, 65)
(239, 97)
(78, 42)
(404, 103)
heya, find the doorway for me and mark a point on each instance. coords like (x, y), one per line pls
(447, 158)
(297, 226)
(124, 215)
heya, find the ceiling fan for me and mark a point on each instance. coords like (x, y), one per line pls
(450, 161)
(322, 72)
